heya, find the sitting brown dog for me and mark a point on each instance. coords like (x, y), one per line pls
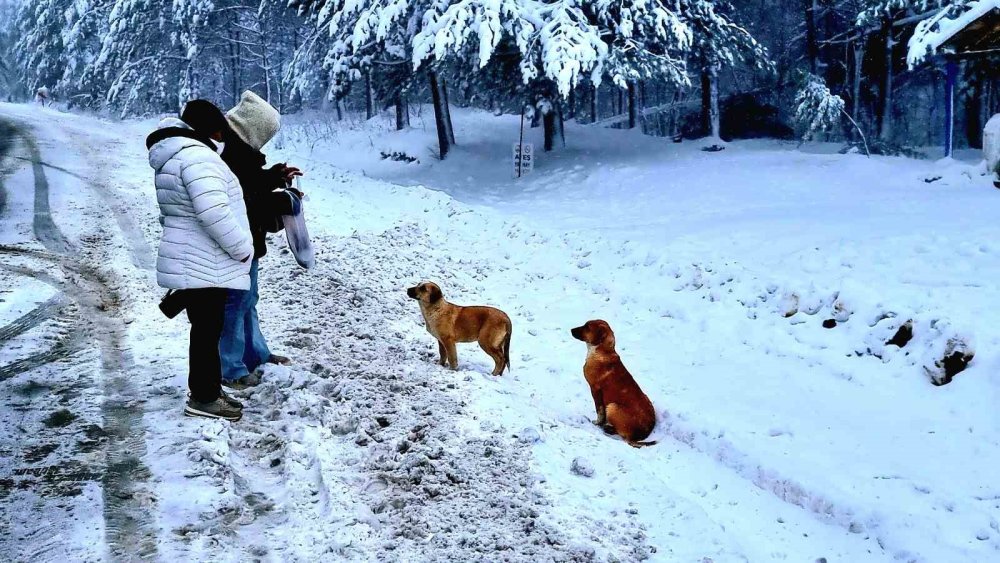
(453, 323)
(622, 408)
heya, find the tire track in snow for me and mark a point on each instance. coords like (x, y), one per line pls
(129, 529)
(8, 134)
(46, 230)
(97, 179)
(33, 318)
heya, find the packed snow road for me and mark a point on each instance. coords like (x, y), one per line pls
(778, 439)
(72, 429)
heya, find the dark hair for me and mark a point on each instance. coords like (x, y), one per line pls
(204, 117)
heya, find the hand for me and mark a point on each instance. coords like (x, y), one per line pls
(290, 172)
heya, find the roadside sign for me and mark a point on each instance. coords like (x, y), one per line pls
(524, 159)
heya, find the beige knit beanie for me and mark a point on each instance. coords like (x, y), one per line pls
(254, 120)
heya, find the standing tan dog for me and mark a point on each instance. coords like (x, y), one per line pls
(453, 323)
(622, 408)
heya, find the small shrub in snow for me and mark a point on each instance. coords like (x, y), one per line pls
(582, 467)
(818, 110)
(399, 156)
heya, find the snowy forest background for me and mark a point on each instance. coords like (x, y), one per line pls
(680, 68)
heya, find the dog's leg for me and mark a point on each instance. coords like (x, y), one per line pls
(602, 415)
(443, 353)
(619, 422)
(449, 347)
(496, 353)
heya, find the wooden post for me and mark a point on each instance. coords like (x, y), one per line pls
(951, 73)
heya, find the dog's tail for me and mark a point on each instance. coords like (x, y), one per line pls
(642, 444)
(506, 347)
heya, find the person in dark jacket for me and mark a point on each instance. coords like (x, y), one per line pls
(252, 123)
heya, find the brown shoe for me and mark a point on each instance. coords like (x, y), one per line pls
(280, 360)
(245, 382)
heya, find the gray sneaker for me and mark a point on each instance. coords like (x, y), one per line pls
(218, 408)
(225, 397)
(251, 380)
(229, 399)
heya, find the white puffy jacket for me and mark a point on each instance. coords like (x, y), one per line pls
(206, 233)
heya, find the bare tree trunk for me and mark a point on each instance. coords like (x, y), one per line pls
(885, 123)
(400, 113)
(235, 65)
(562, 124)
(369, 105)
(593, 104)
(973, 113)
(710, 114)
(812, 45)
(447, 112)
(859, 57)
(706, 101)
(714, 113)
(549, 128)
(440, 117)
(632, 110)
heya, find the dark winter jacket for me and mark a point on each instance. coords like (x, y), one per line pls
(264, 206)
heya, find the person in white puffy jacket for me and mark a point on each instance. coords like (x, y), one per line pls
(206, 245)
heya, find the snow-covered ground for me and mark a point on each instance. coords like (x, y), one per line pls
(779, 439)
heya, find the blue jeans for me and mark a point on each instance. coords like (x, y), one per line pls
(242, 347)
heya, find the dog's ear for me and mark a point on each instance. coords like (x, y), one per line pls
(434, 294)
(598, 333)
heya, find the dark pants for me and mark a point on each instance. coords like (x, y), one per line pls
(206, 309)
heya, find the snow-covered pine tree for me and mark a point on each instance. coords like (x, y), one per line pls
(262, 38)
(372, 42)
(86, 22)
(719, 42)
(55, 41)
(142, 61)
(40, 54)
(10, 87)
(818, 110)
(559, 44)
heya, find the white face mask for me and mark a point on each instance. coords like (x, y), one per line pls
(219, 146)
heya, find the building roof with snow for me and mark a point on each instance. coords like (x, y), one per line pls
(972, 29)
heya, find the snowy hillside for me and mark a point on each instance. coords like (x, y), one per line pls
(779, 439)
